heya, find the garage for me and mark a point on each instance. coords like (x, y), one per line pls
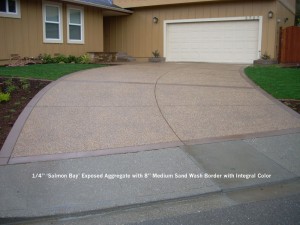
(228, 40)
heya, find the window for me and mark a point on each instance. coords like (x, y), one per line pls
(10, 8)
(75, 25)
(52, 23)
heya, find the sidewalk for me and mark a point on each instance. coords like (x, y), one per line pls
(23, 196)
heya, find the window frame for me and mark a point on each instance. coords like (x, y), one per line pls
(81, 9)
(17, 14)
(60, 23)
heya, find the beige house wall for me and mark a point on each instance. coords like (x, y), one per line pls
(289, 4)
(284, 12)
(25, 36)
(139, 36)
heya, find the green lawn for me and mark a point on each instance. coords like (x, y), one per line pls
(44, 71)
(281, 83)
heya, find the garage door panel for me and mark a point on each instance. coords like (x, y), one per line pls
(226, 41)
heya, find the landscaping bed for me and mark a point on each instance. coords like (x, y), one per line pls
(24, 91)
(293, 104)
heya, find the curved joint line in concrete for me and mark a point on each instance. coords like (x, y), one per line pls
(163, 116)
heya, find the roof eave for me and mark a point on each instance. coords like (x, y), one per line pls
(100, 6)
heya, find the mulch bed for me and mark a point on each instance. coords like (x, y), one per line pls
(9, 111)
(293, 104)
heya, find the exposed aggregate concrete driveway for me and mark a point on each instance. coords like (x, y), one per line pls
(147, 106)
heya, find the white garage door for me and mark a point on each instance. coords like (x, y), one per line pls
(219, 41)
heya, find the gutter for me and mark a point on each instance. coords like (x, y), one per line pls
(100, 6)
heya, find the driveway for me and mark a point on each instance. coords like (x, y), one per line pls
(138, 107)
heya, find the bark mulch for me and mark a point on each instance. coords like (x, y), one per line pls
(293, 104)
(20, 97)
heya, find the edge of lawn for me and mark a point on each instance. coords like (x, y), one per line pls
(281, 83)
(49, 72)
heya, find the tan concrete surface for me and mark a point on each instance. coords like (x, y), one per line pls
(197, 122)
(206, 74)
(116, 106)
(73, 129)
(91, 94)
(208, 96)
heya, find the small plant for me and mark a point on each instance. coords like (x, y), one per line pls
(8, 82)
(25, 85)
(12, 110)
(4, 97)
(298, 22)
(9, 86)
(265, 56)
(84, 59)
(155, 54)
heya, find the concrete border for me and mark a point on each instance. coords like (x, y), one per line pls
(241, 136)
(14, 133)
(99, 152)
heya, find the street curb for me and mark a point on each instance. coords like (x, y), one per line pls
(132, 206)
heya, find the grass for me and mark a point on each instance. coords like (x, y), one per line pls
(44, 71)
(281, 83)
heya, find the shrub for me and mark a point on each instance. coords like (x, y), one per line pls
(72, 59)
(4, 97)
(46, 59)
(84, 59)
(60, 59)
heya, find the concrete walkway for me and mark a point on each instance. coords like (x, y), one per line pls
(206, 130)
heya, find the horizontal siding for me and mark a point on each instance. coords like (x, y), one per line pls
(143, 36)
(25, 36)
